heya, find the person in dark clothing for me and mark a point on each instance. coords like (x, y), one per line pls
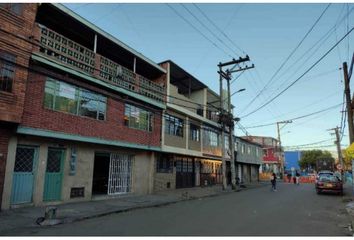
(297, 176)
(273, 180)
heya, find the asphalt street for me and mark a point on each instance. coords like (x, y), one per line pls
(291, 211)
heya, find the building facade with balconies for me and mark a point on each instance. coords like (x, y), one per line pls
(92, 115)
(191, 140)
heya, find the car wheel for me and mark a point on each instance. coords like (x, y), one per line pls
(318, 191)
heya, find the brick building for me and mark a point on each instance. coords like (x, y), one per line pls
(89, 125)
(16, 24)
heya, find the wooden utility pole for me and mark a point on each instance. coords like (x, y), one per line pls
(226, 118)
(281, 159)
(339, 150)
(349, 103)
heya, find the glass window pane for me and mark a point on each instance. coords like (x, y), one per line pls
(49, 93)
(88, 104)
(7, 71)
(66, 98)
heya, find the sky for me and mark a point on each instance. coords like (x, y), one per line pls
(268, 33)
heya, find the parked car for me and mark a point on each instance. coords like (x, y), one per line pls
(328, 182)
(323, 172)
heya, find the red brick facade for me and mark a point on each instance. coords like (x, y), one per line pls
(13, 29)
(113, 128)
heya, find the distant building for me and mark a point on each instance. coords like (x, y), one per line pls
(271, 153)
(292, 159)
(248, 156)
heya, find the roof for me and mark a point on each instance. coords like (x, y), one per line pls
(107, 35)
(249, 141)
(182, 79)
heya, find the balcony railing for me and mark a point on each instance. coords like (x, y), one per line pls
(64, 50)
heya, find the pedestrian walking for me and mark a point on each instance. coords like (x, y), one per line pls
(289, 177)
(273, 180)
(297, 176)
(293, 176)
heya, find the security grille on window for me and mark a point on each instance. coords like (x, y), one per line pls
(173, 125)
(7, 71)
(13, 7)
(195, 133)
(68, 98)
(135, 117)
(164, 164)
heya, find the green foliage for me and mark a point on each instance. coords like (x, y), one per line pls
(308, 158)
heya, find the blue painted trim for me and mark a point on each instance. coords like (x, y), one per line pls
(57, 65)
(66, 136)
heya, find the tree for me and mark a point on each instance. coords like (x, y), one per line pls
(309, 158)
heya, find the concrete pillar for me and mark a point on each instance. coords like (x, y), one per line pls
(10, 164)
(40, 175)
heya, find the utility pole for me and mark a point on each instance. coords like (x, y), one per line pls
(280, 149)
(349, 103)
(226, 118)
(337, 142)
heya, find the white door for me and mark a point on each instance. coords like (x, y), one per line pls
(120, 169)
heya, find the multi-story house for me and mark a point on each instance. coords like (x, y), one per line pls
(87, 110)
(248, 158)
(191, 140)
(271, 153)
(16, 24)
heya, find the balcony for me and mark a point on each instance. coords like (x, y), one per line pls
(61, 49)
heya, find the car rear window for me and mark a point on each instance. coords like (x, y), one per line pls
(328, 177)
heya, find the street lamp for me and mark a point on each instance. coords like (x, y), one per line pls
(241, 90)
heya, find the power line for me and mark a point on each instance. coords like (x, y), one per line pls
(308, 144)
(207, 28)
(296, 118)
(196, 29)
(308, 70)
(320, 42)
(289, 56)
(218, 28)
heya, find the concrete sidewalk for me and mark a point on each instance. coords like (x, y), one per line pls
(13, 219)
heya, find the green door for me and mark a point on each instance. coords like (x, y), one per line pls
(54, 175)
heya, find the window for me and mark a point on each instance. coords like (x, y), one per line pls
(257, 152)
(248, 150)
(68, 98)
(173, 125)
(164, 164)
(13, 7)
(7, 71)
(211, 137)
(135, 117)
(195, 133)
(243, 148)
